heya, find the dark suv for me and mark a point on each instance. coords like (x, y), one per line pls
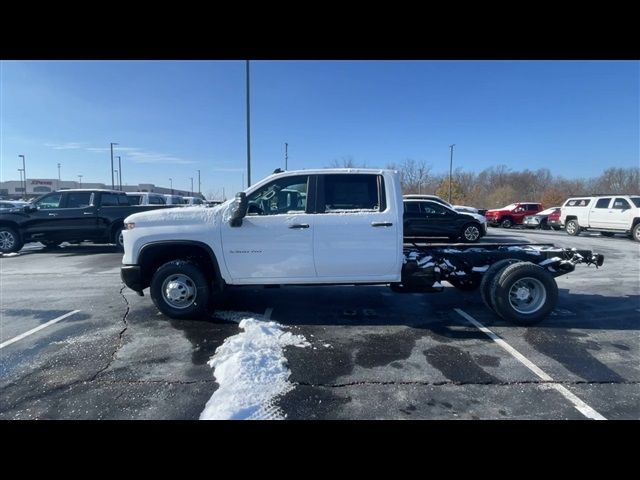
(428, 218)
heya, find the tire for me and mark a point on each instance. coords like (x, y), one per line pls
(544, 225)
(471, 233)
(488, 277)
(506, 223)
(556, 228)
(607, 234)
(189, 295)
(117, 239)
(10, 240)
(524, 293)
(635, 233)
(465, 284)
(572, 228)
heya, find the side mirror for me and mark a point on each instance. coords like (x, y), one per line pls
(238, 209)
(30, 208)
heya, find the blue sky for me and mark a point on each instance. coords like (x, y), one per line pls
(172, 118)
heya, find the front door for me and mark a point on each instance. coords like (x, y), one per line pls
(621, 215)
(599, 217)
(274, 244)
(44, 223)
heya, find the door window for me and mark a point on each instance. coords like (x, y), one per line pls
(351, 192)
(78, 199)
(50, 201)
(621, 204)
(284, 195)
(412, 207)
(603, 203)
(433, 208)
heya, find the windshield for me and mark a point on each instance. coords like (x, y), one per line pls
(509, 207)
(636, 201)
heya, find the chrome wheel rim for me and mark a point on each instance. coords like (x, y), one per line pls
(571, 227)
(7, 240)
(471, 233)
(637, 234)
(179, 291)
(121, 239)
(506, 223)
(527, 295)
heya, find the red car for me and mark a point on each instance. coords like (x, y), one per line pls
(512, 214)
(553, 220)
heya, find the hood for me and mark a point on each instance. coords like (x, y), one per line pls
(499, 210)
(175, 216)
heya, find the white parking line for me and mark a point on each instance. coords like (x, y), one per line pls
(582, 407)
(38, 328)
(267, 313)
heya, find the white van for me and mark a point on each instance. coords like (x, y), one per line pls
(607, 214)
(146, 198)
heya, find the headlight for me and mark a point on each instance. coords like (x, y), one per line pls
(129, 226)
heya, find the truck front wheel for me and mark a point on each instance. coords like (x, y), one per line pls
(572, 228)
(180, 290)
(10, 241)
(524, 293)
(506, 223)
(636, 232)
(470, 233)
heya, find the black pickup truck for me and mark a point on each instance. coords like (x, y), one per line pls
(69, 216)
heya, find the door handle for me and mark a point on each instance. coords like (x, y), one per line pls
(381, 224)
(299, 225)
(53, 214)
(87, 213)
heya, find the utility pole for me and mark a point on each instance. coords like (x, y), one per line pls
(199, 191)
(191, 186)
(242, 184)
(80, 177)
(286, 156)
(119, 174)
(24, 171)
(171, 185)
(113, 186)
(58, 176)
(450, 169)
(21, 184)
(248, 131)
(117, 181)
(224, 197)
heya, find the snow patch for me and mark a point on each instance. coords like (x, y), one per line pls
(480, 269)
(251, 370)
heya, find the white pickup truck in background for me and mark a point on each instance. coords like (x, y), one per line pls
(608, 215)
(329, 226)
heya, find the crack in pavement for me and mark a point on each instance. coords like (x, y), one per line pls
(449, 382)
(120, 336)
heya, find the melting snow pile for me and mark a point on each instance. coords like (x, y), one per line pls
(251, 370)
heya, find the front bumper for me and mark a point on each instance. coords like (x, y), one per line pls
(131, 275)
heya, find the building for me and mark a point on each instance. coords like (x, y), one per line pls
(14, 189)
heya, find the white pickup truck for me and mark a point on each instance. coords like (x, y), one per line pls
(605, 214)
(329, 226)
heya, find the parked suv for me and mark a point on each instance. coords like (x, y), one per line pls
(540, 219)
(608, 215)
(428, 218)
(511, 215)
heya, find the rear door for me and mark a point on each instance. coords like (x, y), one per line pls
(356, 234)
(599, 216)
(622, 214)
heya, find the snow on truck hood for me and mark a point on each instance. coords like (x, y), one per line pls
(176, 215)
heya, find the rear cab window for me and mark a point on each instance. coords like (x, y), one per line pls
(577, 202)
(345, 193)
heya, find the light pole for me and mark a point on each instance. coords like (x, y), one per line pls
(171, 185)
(119, 174)
(21, 184)
(113, 186)
(24, 171)
(286, 156)
(58, 176)
(80, 177)
(248, 131)
(450, 169)
(199, 191)
(191, 186)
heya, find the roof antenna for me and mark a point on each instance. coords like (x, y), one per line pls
(278, 170)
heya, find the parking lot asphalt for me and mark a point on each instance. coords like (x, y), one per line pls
(102, 352)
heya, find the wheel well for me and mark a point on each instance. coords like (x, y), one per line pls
(118, 224)
(634, 222)
(12, 225)
(506, 217)
(154, 256)
(570, 217)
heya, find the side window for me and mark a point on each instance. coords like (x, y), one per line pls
(154, 200)
(109, 200)
(434, 208)
(50, 201)
(123, 199)
(284, 195)
(412, 207)
(78, 199)
(621, 204)
(351, 192)
(603, 203)
(134, 199)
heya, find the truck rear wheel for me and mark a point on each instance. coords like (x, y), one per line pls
(524, 293)
(118, 239)
(489, 276)
(10, 240)
(572, 228)
(636, 232)
(180, 290)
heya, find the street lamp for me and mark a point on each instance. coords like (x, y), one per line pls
(248, 131)
(199, 191)
(21, 184)
(59, 176)
(191, 186)
(450, 168)
(24, 171)
(171, 185)
(112, 183)
(119, 174)
(80, 177)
